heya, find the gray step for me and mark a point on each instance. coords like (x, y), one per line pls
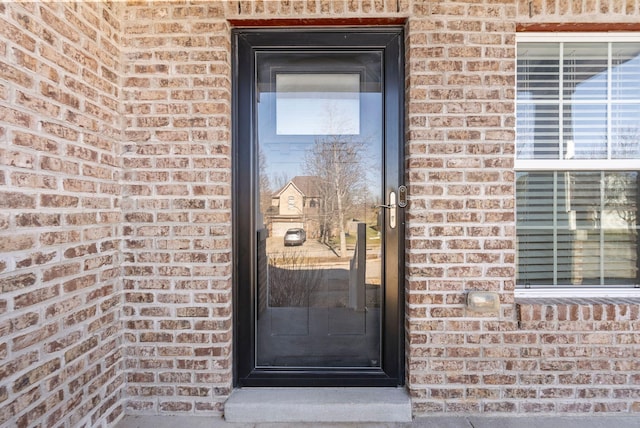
(255, 405)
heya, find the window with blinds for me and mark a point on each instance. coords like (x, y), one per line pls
(577, 161)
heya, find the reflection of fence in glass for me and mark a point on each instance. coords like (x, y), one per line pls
(357, 270)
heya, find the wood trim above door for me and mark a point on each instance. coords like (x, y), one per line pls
(318, 22)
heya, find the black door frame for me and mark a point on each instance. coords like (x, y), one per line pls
(245, 43)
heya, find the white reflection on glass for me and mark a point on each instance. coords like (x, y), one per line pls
(318, 104)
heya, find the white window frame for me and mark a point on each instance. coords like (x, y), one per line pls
(550, 165)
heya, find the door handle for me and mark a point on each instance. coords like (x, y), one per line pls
(394, 204)
(393, 210)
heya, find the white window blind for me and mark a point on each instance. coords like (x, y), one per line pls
(577, 228)
(577, 161)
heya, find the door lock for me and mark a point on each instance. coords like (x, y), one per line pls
(402, 196)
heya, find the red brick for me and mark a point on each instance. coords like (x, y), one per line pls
(15, 200)
(17, 282)
(13, 33)
(29, 339)
(35, 297)
(33, 376)
(58, 201)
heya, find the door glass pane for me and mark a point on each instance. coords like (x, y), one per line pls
(319, 133)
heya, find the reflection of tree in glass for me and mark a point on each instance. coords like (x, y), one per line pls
(626, 144)
(280, 179)
(337, 162)
(265, 183)
(620, 196)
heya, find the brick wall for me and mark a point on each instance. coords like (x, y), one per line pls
(460, 228)
(570, 12)
(534, 356)
(115, 226)
(177, 207)
(60, 335)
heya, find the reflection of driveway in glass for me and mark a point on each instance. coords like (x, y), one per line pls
(310, 249)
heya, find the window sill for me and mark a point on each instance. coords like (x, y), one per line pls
(578, 296)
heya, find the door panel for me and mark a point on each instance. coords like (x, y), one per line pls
(317, 162)
(319, 141)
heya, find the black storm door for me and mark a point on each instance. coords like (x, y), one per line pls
(318, 207)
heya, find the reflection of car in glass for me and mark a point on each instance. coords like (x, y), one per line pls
(295, 236)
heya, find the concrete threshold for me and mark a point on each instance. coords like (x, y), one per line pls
(281, 405)
(459, 421)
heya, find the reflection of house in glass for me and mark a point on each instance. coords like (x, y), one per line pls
(297, 204)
